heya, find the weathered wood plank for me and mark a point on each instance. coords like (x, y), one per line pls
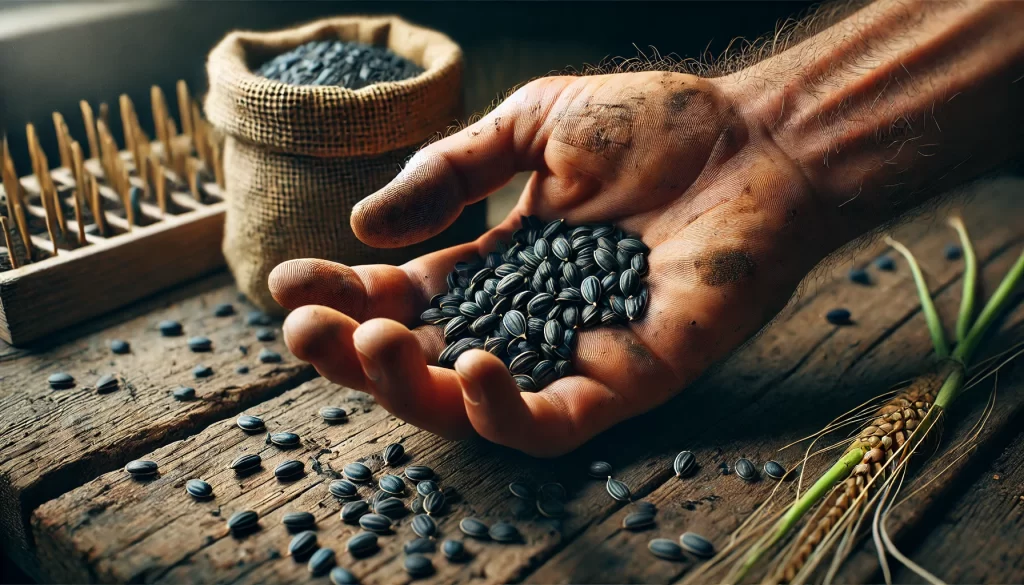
(52, 441)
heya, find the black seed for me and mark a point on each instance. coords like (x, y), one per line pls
(552, 228)
(362, 544)
(608, 316)
(288, 470)
(645, 507)
(333, 414)
(600, 469)
(391, 507)
(510, 284)
(550, 508)
(504, 270)
(570, 317)
(504, 532)
(544, 373)
(529, 260)
(199, 344)
(422, 545)
(471, 310)
(501, 305)
(521, 490)
(266, 335)
(198, 489)
(540, 304)
(617, 490)
(953, 252)
(243, 522)
(496, 345)
(590, 316)
(242, 370)
(249, 423)
(202, 371)
(563, 368)
(141, 468)
(375, 523)
(454, 550)
(418, 565)
(433, 503)
(433, 316)
(696, 544)
(523, 363)
(885, 263)
(639, 263)
(107, 384)
(257, 318)
(745, 470)
(514, 324)
(602, 231)
(635, 307)
(541, 248)
(119, 346)
(184, 393)
(474, 528)
(353, 511)
(417, 505)
(623, 257)
(525, 383)
(859, 276)
(553, 491)
(303, 544)
(685, 463)
(425, 487)
(268, 356)
(606, 260)
(485, 324)
(357, 472)
(629, 282)
(392, 484)
(665, 549)
(638, 521)
(632, 245)
(246, 463)
(169, 328)
(591, 290)
(570, 295)
(393, 453)
(618, 304)
(534, 329)
(450, 301)
(298, 521)
(455, 328)
(61, 381)
(838, 317)
(774, 470)
(224, 310)
(424, 526)
(285, 440)
(419, 473)
(561, 249)
(340, 576)
(321, 562)
(457, 348)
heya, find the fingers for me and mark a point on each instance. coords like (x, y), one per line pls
(544, 424)
(398, 377)
(432, 189)
(322, 336)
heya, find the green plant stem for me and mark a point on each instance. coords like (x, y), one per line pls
(995, 305)
(927, 305)
(963, 321)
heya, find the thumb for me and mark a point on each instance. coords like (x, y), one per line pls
(440, 180)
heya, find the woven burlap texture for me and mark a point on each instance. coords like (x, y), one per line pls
(298, 158)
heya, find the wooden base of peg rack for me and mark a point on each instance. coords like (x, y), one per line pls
(94, 235)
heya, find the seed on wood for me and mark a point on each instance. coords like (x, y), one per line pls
(362, 544)
(353, 511)
(224, 310)
(141, 468)
(425, 487)
(617, 489)
(473, 527)
(521, 490)
(333, 414)
(393, 453)
(302, 545)
(202, 371)
(417, 505)
(243, 522)
(645, 506)
(419, 473)
(379, 496)
(504, 532)
(169, 328)
(298, 521)
(684, 464)
(268, 356)
(120, 346)
(200, 344)
(249, 423)
(285, 440)
(107, 384)
(418, 565)
(433, 503)
(61, 381)
(859, 276)
(184, 393)
(375, 523)
(198, 489)
(885, 263)
(554, 491)
(600, 469)
(391, 484)
(391, 507)
(745, 470)
(838, 317)
(341, 576)
(242, 370)
(290, 469)
(550, 507)
(696, 544)
(423, 525)
(321, 562)
(246, 463)
(774, 470)
(422, 545)
(257, 318)
(357, 472)
(665, 549)
(953, 252)
(454, 550)
(266, 335)
(638, 521)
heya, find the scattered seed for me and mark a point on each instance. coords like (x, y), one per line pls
(340, 576)
(120, 346)
(107, 384)
(141, 468)
(200, 344)
(198, 489)
(554, 491)
(257, 318)
(298, 521)
(665, 549)
(600, 469)
(362, 544)
(419, 473)
(357, 472)
(393, 453)
(646, 507)
(425, 487)
(375, 523)
(419, 545)
(838, 317)
(269, 357)
(521, 490)
(250, 423)
(885, 263)
(288, 470)
(243, 522)
(859, 276)
(333, 414)
(242, 370)
(433, 503)
(685, 463)
(525, 383)
(696, 544)
(617, 489)
(265, 335)
(474, 528)
(169, 328)
(392, 484)
(424, 526)
(418, 565)
(391, 507)
(774, 470)
(454, 550)
(202, 371)
(745, 469)
(224, 310)
(183, 393)
(321, 562)
(417, 505)
(246, 463)
(61, 381)
(550, 507)
(638, 521)
(353, 511)
(302, 545)
(504, 532)
(953, 252)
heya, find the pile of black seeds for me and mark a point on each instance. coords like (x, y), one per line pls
(350, 65)
(525, 302)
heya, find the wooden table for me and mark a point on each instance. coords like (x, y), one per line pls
(70, 514)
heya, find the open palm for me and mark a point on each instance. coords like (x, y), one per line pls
(728, 217)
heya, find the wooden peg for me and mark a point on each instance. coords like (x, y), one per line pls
(90, 129)
(14, 195)
(128, 129)
(62, 142)
(9, 242)
(97, 207)
(79, 171)
(160, 182)
(184, 107)
(160, 115)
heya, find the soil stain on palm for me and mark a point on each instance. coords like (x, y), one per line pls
(722, 267)
(678, 100)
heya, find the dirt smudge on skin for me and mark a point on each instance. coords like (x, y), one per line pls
(678, 100)
(722, 267)
(639, 352)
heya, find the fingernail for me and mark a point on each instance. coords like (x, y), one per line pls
(471, 391)
(370, 367)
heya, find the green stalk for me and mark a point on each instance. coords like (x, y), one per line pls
(995, 305)
(930, 314)
(963, 321)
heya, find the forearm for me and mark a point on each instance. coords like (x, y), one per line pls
(895, 104)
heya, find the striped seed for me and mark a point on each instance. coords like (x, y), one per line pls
(302, 545)
(418, 565)
(375, 523)
(514, 323)
(202, 371)
(665, 549)
(504, 532)
(424, 526)
(343, 488)
(632, 246)
(525, 383)
(745, 470)
(265, 335)
(454, 550)
(198, 489)
(600, 469)
(254, 318)
(617, 490)
(246, 463)
(696, 544)
(107, 383)
(774, 470)
(645, 506)
(638, 521)
(424, 488)
(285, 440)
(474, 528)
(551, 508)
(523, 363)
(379, 496)
(250, 423)
(342, 576)
(392, 508)
(333, 414)
(433, 503)
(289, 470)
(269, 356)
(243, 522)
(554, 491)
(353, 511)
(838, 317)
(169, 328)
(685, 463)
(485, 324)
(298, 521)
(199, 344)
(183, 393)
(362, 544)
(639, 263)
(392, 484)
(120, 346)
(419, 473)
(321, 562)
(419, 546)
(141, 468)
(417, 505)
(521, 490)
(357, 472)
(224, 310)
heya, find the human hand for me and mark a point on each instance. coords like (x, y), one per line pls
(729, 218)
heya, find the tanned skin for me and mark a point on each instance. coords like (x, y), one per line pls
(740, 185)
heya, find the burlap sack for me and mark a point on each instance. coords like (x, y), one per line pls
(298, 158)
